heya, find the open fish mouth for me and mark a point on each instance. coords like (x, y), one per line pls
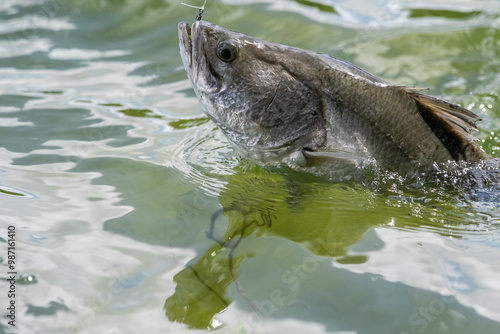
(193, 42)
(186, 40)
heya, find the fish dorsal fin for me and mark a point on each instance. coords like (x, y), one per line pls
(452, 124)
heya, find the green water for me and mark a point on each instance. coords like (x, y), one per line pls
(134, 215)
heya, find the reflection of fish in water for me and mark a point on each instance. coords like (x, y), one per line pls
(255, 214)
(281, 104)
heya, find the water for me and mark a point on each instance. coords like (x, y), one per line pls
(133, 214)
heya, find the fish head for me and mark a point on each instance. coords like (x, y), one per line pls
(246, 87)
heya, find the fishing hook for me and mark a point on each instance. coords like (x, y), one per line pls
(200, 9)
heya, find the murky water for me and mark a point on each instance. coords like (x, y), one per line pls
(133, 214)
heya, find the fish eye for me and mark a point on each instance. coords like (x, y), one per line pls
(227, 51)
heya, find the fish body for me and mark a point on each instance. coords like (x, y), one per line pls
(277, 104)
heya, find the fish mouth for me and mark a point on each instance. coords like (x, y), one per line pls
(185, 43)
(193, 42)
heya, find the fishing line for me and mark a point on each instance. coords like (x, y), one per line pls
(200, 9)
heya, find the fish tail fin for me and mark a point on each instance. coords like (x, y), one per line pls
(452, 124)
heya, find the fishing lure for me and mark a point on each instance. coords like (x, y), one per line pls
(200, 9)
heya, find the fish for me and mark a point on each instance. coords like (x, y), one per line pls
(278, 104)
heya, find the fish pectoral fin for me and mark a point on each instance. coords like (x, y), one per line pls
(414, 89)
(452, 124)
(337, 157)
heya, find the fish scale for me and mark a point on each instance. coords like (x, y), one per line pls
(382, 129)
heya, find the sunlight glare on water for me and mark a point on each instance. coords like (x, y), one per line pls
(134, 214)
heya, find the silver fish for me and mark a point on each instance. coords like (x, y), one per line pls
(280, 104)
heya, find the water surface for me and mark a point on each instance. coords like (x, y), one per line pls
(133, 213)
